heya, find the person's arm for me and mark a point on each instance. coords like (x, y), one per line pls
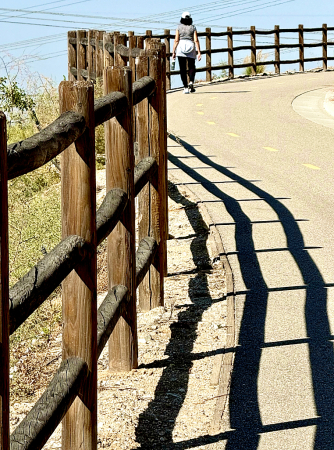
(176, 43)
(199, 56)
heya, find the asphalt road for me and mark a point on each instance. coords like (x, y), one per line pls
(265, 173)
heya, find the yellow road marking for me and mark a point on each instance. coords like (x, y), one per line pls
(271, 149)
(311, 166)
(233, 134)
(211, 123)
(199, 104)
(200, 112)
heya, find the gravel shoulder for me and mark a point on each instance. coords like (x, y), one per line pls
(169, 401)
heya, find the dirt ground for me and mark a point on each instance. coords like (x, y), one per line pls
(168, 402)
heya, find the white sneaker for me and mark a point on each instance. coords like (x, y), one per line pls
(186, 91)
(191, 87)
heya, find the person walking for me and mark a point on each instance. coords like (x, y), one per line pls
(186, 44)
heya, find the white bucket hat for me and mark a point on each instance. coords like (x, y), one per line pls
(186, 15)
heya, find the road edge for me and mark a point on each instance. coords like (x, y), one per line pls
(223, 363)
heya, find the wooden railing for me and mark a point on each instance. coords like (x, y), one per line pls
(86, 47)
(131, 111)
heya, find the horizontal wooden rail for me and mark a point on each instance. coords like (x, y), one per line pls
(111, 309)
(36, 428)
(110, 212)
(35, 151)
(145, 171)
(35, 287)
(144, 257)
(26, 156)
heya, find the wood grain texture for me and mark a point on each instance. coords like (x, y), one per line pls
(123, 346)
(108, 57)
(277, 47)
(145, 254)
(110, 212)
(35, 287)
(144, 290)
(100, 54)
(91, 53)
(253, 49)
(120, 47)
(4, 287)
(301, 48)
(36, 428)
(26, 156)
(324, 46)
(72, 53)
(230, 52)
(208, 54)
(167, 45)
(79, 289)
(81, 53)
(145, 171)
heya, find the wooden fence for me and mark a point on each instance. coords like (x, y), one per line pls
(133, 108)
(83, 46)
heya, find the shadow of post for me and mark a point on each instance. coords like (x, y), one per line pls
(156, 423)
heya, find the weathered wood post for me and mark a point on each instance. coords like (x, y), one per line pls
(100, 54)
(301, 47)
(148, 34)
(153, 201)
(4, 300)
(81, 53)
(72, 54)
(119, 39)
(253, 49)
(277, 50)
(167, 45)
(208, 53)
(123, 345)
(108, 39)
(324, 46)
(91, 54)
(140, 42)
(79, 288)
(230, 52)
(132, 61)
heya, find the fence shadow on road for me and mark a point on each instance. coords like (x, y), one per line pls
(244, 411)
(156, 423)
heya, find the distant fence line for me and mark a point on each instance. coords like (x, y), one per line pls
(85, 46)
(134, 115)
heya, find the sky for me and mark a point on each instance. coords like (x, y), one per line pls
(33, 32)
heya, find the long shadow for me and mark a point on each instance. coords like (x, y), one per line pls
(156, 423)
(245, 416)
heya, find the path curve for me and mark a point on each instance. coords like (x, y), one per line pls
(265, 172)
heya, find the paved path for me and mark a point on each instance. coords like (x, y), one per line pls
(260, 155)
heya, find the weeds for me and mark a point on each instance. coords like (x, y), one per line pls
(260, 57)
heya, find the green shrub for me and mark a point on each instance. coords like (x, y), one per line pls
(259, 58)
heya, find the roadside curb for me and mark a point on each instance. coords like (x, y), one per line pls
(223, 363)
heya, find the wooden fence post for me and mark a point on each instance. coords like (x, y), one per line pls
(79, 288)
(148, 34)
(100, 54)
(91, 54)
(108, 59)
(140, 42)
(277, 50)
(230, 52)
(301, 48)
(132, 61)
(167, 45)
(81, 54)
(4, 292)
(119, 39)
(144, 204)
(72, 54)
(155, 222)
(208, 54)
(253, 49)
(123, 345)
(324, 46)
